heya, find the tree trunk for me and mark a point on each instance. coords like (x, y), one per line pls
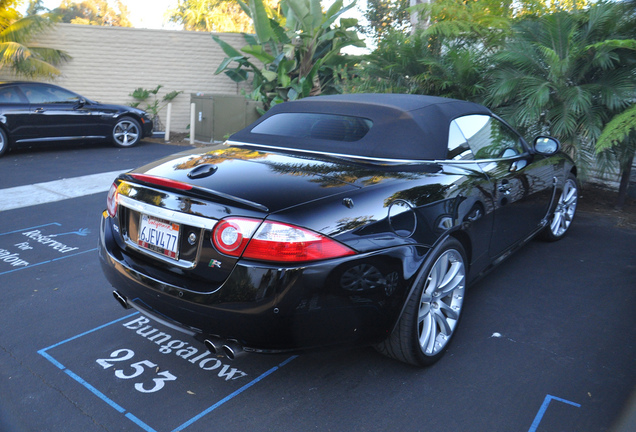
(416, 24)
(626, 171)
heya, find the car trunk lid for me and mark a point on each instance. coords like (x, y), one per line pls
(266, 181)
(189, 188)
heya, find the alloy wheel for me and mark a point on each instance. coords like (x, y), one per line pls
(566, 207)
(126, 133)
(441, 302)
(4, 142)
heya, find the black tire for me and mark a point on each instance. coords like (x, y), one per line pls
(126, 132)
(432, 313)
(4, 142)
(563, 214)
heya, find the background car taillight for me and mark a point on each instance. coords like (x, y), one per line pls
(274, 241)
(111, 200)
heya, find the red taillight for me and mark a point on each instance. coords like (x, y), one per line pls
(111, 200)
(231, 235)
(274, 241)
(159, 181)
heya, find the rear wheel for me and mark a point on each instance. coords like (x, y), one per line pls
(126, 132)
(564, 212)
(4, 142)
(432, 313)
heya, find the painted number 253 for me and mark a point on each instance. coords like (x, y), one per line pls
(136, 369)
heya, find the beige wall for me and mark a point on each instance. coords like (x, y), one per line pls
(110, 62)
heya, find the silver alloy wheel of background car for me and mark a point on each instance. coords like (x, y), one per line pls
(126, 132)
(4, 142)
(565, 209)
(441, 302)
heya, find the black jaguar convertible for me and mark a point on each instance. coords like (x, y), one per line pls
(334, 220)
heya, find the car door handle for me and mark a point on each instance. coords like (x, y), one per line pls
(39, 110)
(504, 188)
(474, 216)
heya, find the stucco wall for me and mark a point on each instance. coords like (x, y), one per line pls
(110, 62)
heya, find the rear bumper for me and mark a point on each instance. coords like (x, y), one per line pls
(269, 308)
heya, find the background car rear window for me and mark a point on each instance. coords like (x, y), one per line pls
(317, 126)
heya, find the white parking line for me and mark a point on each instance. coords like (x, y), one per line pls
(42, 193)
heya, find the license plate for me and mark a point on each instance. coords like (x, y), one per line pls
(159, 235)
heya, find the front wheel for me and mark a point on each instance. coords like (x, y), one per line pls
(432, 312)
(564, 212)
(126, 132)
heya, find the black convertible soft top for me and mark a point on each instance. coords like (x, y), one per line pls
(409, 127)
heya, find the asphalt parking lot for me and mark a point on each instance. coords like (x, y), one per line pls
(547, 341)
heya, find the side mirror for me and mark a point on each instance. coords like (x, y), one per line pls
(81, 102)
(546, 145)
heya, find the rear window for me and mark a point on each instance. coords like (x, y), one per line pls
(317, 126)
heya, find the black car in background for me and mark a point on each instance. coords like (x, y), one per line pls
(33, 113)
(333, 220)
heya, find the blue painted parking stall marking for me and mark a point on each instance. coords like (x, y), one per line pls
(544, 408)
(231, 396)
(34, 246)
(139, 368)
(236, 393)
(35, 227)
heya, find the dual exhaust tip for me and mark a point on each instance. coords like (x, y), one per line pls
(121, 300)
(228, 348)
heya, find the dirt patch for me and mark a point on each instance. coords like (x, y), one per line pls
(592, 199)
(180, 139)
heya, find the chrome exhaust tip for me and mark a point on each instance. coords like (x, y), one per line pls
(221, 347)
(211, 346)
(121, 300)
(232, 349)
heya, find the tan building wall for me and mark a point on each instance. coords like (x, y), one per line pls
(110, 62)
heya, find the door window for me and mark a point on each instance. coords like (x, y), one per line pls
(458, 148)
(9, 95)
(489, 138)
(43, 94)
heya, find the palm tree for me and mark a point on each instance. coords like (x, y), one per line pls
(618, 143)
(15, 33)
(552, 77)
(394, 66)
(618, 140)
(419, 63)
